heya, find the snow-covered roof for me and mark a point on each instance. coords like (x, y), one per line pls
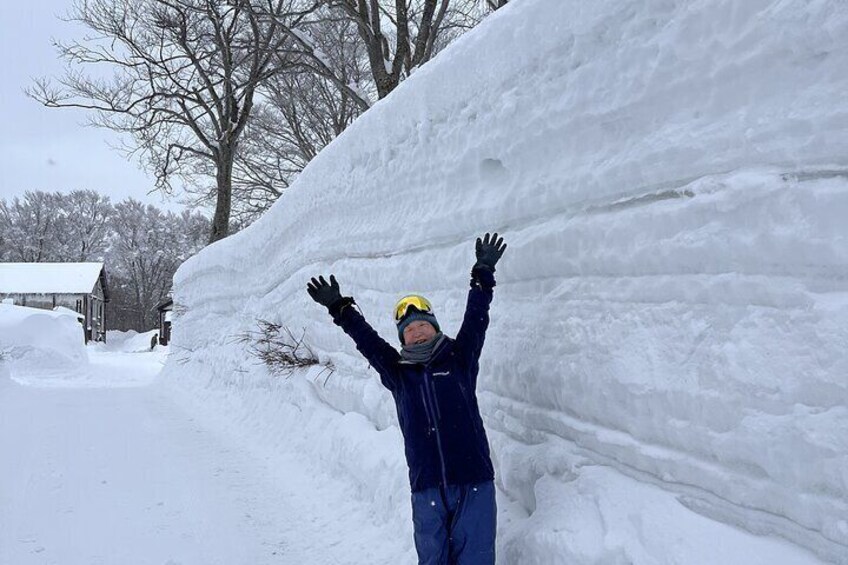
(167, 304)
(49, 278)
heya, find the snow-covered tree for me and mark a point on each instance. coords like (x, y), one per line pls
(29, 229)
(5, 232)
(147, 245)
(83, 225)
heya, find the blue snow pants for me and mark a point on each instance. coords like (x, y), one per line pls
(455, 525)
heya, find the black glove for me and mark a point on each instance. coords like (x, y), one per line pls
(489, 251)
(328, 294)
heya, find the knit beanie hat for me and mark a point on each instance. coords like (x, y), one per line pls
(412, 315)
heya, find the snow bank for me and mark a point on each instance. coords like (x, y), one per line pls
(671, 314)
(129, 341)
(39, 345)
(46, 348)
(114, 337)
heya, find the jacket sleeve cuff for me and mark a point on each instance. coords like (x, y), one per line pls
(337, 307)
(482, 275)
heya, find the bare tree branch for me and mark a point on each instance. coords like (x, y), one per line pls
(185, 78)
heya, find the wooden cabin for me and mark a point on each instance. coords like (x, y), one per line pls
(81, 287)
(166, 310)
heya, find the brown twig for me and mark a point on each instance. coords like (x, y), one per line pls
(279, 349)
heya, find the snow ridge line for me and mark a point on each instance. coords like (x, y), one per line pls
(737, 275)
(621, 202)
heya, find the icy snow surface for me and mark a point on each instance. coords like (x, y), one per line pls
(665, 371)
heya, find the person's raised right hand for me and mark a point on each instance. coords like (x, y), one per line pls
(489, 251)
(324, 293)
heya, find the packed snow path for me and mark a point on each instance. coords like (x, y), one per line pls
(118, 473)
(106, 466)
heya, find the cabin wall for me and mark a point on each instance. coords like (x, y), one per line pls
(96, 317)
(47, 301)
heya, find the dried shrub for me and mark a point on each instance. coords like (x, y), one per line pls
(283, 352)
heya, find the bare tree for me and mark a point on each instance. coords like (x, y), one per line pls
(186, 74)
(332, 83)
(301, 113)
(398, 35)
(314, 110)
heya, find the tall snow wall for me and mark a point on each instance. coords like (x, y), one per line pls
(671, 178)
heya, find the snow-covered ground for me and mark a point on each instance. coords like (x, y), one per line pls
(114, 468)
(111, 469)
(664, 378)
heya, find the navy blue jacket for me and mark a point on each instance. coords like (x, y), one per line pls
(436, 403)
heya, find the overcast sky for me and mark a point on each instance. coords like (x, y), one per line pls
(50, 148)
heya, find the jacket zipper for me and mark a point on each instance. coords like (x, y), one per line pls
(435, 400)
(426, 409)
(427, 385)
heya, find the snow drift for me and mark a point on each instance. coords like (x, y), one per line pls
(667, 347)
(39, 345)
(129, 341)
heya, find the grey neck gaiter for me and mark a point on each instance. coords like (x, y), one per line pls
(422, 352)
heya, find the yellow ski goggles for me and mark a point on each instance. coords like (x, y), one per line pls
(404, 304)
